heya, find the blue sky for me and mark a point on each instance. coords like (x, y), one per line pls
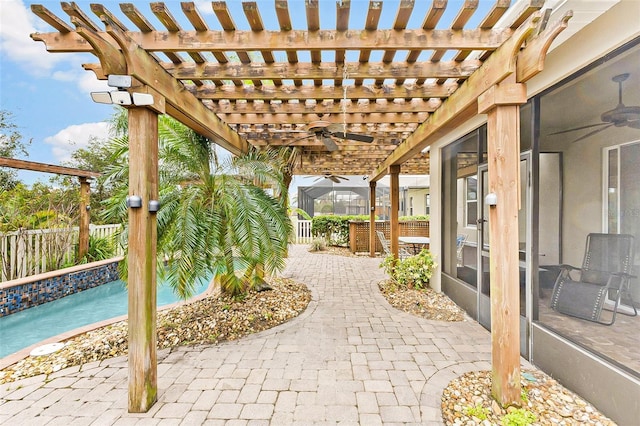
(48, 94)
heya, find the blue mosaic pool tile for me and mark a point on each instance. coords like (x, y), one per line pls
(20, 297)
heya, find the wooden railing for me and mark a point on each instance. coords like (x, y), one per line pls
(29, 252)
(359, 232)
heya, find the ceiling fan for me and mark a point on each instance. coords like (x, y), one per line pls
(332, 177)
(620, 116)
(325, 132)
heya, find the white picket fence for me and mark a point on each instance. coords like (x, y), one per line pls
(31, 252)
(303, 231)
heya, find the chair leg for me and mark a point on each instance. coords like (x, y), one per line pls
(627, 293)
(617, 304)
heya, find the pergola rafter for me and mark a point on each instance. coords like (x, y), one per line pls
(214, 72)
(235, 87)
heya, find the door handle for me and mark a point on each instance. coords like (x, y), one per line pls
(480, 221)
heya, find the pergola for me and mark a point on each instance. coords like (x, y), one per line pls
(85, 190)
(235, 87)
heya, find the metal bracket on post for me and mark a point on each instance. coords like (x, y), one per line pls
(134, 202)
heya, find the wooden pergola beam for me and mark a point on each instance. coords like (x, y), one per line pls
(323, 70)
(180, 104)
(461, 105)
(383, 106)
(247, 41)
(46, 168)
(304, 119)
(286, 93)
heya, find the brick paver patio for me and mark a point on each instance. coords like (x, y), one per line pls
(350, 358)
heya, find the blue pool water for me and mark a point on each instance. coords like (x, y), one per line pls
(33, 325)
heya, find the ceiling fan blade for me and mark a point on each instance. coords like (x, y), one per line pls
(591, 133)
(329, 143)
(334, 178)
(634, 124)
(353, 136)
(299, 139)
(588, 126)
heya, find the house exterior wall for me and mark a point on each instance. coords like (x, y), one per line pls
(419, 203)
(600, 382)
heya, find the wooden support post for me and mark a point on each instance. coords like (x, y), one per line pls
(373, 240)
(394, 178)
(83, 228)
(143, 182)
(501, 103)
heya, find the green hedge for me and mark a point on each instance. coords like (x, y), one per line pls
(334, 229)
(417, 217)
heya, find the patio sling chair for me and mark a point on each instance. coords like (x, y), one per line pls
(402, 252)
(604, 276)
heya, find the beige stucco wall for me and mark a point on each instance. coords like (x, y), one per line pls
(419, 203)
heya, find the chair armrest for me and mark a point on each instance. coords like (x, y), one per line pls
(569, 267)
(622, 279)
(565, 271)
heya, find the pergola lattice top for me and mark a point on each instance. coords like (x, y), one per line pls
(236, 87)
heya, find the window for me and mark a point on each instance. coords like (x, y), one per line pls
(410, 206)
(471, 201)
(427, 203)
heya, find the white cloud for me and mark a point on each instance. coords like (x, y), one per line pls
(16, 23)
(87, 82)
(69, 75)
(74, 137)
(204, 7)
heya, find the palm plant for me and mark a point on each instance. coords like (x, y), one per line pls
(216, 219)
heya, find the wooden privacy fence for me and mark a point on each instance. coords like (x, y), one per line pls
(359, 232)
(35, 251)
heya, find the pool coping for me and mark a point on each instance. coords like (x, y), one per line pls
(17, 356)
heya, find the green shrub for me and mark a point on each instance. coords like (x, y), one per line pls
(412, 272)
(334, 229)
(478, 412)
(416, 217)
(318, 244)
(99, 249)
(519, 417)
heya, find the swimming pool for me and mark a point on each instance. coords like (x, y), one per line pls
(33, 325)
